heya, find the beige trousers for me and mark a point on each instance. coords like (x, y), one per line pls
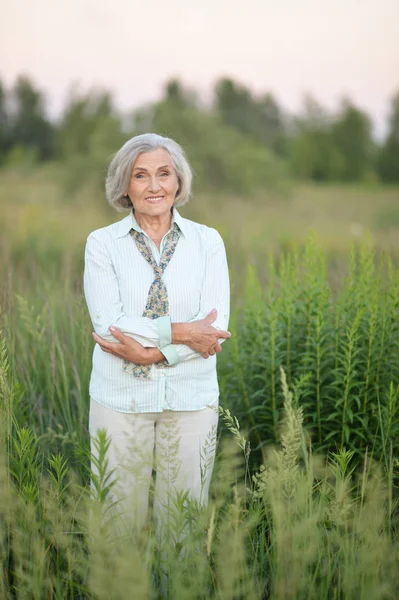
(178, 445)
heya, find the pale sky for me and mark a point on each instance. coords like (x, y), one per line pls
(327, 47)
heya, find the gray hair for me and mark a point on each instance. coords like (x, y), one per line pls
(120, 169)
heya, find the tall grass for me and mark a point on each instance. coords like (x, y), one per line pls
(304, 495)
(339, 349)
(301, 527)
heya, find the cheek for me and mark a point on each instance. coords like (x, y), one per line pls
(134, 189)
(174, 186)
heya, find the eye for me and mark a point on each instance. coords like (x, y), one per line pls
(139, 176)
(165, 173)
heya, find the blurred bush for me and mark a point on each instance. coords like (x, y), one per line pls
(222, 157)
(387, 218)
(238, 143)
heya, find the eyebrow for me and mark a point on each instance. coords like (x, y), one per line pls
(159, 168)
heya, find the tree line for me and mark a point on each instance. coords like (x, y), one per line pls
(240, 142)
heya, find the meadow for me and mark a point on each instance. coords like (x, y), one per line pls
(305, 490)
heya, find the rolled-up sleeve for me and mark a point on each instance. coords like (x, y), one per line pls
(215, 293)
(105, 306)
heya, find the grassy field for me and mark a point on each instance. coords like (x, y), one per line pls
(339, 215)
(304, 497)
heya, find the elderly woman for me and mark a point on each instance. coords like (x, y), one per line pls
(157, 289)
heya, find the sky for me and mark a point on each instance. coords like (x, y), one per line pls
(330, 48)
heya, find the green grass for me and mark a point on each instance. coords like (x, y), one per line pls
(301, 527)
(42, 211)
(304, 497)
(339, 349)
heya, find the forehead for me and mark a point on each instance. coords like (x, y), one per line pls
(154, 159)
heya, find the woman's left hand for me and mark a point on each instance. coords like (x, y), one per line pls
(126, 348)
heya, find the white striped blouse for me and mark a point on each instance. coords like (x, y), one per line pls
(116, 283)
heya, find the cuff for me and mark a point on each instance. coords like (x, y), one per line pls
(165, 331)
(170, 353)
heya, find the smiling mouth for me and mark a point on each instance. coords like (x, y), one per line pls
(154, 198)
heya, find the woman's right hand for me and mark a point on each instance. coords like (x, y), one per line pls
(200, 335)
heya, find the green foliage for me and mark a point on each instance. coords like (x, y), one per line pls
(21, 158)
(261, 119)
(89, 132)
(386, 218)
(388, 162)
(314, 156)
(346, 347)
(222, 158)
(301, 527)
(351, 134)
(5, 134)
(240, 143)
(28, 123)
(101, 476)
(328, 147)
(310, 512)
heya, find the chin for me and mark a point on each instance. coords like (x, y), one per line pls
(160, 209)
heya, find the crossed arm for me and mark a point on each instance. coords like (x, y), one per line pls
(200, 336)
(144, 341)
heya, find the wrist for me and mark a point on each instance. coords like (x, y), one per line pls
(151, 356)
(180, 333)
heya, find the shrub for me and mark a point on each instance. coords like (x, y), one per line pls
(343, 345)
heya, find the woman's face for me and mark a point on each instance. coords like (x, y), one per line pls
(153, 185)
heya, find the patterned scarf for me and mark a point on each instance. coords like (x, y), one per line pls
(157, 300)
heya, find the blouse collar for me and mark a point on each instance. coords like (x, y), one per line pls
(125, 225)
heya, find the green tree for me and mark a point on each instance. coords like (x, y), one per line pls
(261, 119)
(352, 135)
(29, 125)
(5, 141)
(89, 132)
(313, 153)
(388, 161)
(272, 123)
(83, 118)
(235, 105)
(222, 158)
(176, 94)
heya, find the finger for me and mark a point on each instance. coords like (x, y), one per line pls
(205, 355)
(225, 335)
(104, 345)
(212, 352)
(105, 350)
(211, 317)
(99, 340)
(112, 353)
(218, 348)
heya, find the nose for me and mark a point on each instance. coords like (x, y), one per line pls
(154, 184)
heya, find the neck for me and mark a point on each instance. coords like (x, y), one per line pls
(154, 226)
